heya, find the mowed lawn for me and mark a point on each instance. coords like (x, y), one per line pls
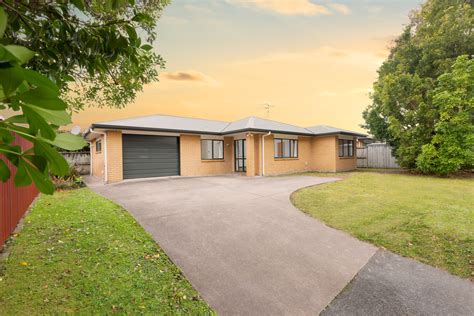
(426, 218)
(81, 253)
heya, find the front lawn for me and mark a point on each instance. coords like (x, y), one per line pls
(427, 218)
(80, 253)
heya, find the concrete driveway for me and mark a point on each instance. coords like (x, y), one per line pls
(248, 251)
(241, 242)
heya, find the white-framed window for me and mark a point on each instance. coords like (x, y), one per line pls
(212, 149)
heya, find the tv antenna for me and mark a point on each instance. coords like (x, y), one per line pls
(267, 107)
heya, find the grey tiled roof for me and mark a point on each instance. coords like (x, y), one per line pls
(186, 124)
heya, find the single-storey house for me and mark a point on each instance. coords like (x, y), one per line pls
(162, 145)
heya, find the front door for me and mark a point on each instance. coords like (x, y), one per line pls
(240, 155)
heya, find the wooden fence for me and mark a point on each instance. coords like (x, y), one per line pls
(14, 201)
(80, 160)
(376, 155)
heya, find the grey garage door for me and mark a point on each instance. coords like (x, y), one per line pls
(150, 156)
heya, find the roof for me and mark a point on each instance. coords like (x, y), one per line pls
(168, 123)
(326, 130)
(259, 124)
(165, 122)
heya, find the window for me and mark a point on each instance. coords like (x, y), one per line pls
(212, 149)
(286, 148)
(98, 146)
(346, 148)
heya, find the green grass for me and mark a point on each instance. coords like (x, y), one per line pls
(427, 218)
(81, 253)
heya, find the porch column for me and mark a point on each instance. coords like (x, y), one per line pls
(250, 153)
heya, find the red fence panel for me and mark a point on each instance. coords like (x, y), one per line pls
(14, 201)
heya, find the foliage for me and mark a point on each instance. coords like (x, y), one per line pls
(423, 217)
(79, 253)
(403, 111)
(72, 180)
(452, 147)
(98, 52)
(42, 112)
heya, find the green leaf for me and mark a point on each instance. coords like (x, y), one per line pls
(21, 177)
(39, 80)
(20, 53)
(68, 141)
(4, 171)
(19, 119)
(41, 180)
(6, 136)
(78, 4)
(37, 122)
(3, 21)
(147, 47)
(54, 117)
(10, 79)
(57, 163)
(43, 97)
(38, 161)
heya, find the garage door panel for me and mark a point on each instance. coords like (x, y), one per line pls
(150, 156)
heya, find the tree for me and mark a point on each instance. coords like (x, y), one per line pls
(42, 112)
(452, 147)
(99, 53)
(403, 112)
(86, 52)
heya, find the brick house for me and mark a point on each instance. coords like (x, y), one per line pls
(161, 145)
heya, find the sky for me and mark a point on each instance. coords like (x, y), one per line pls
(314, 61)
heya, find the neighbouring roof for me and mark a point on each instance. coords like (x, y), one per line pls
(167, 123)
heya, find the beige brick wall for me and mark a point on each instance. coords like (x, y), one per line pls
(190, 157)
(324, 153)
(114, 156)
(97, 159)
(250, 154)
(346, 163)
(275, 166)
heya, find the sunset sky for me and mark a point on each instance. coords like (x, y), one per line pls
(315, 61)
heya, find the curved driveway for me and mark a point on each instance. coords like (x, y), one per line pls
(241, 242)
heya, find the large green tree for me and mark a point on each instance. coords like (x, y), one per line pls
(403, 111)
(60, 56)
(99, 53)
(452, 147)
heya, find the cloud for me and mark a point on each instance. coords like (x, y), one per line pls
(285, 7)
(325, 55)
(187, 76)
(341, 8)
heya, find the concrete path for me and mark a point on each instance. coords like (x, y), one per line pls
(248, 251)
(393, 285)
(241, 242)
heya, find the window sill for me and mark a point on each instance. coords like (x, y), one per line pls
(279, 159)
(347, 157)
(212, 160)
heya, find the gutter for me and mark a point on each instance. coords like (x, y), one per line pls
(263, 152)
(106, 178)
